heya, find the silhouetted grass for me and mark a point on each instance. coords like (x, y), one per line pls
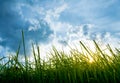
(77, 67)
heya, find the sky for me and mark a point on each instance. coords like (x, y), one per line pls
(58, 22)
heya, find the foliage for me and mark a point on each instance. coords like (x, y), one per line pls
(77, 67)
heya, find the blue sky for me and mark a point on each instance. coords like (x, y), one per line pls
(58, 22)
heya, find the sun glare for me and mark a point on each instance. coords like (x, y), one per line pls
(91, 60)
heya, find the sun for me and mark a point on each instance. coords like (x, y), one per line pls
(91, 60)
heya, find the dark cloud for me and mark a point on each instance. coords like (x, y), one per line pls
(11, 24)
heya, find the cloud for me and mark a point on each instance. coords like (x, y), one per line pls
(65, 31)
(100, 12)
(4, 51)
(17, 16)
(59, 23)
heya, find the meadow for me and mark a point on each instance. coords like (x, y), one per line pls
(84, 66)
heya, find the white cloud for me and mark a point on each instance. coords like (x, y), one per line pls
(53, 15)
(72, 34)
(4, 51)
(59, 10)
(35, 24)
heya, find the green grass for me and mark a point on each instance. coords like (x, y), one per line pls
(77, 67)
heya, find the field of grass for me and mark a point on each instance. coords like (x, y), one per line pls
(77, 67)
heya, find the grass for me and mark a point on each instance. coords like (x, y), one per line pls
(77, 67)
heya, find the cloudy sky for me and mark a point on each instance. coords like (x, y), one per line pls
(58, 22)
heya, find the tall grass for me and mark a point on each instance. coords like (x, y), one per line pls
(86, 66)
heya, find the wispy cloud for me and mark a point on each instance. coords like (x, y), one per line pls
(17, 16)
(58, 23)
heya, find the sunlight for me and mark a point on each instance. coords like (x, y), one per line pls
(91, 60)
